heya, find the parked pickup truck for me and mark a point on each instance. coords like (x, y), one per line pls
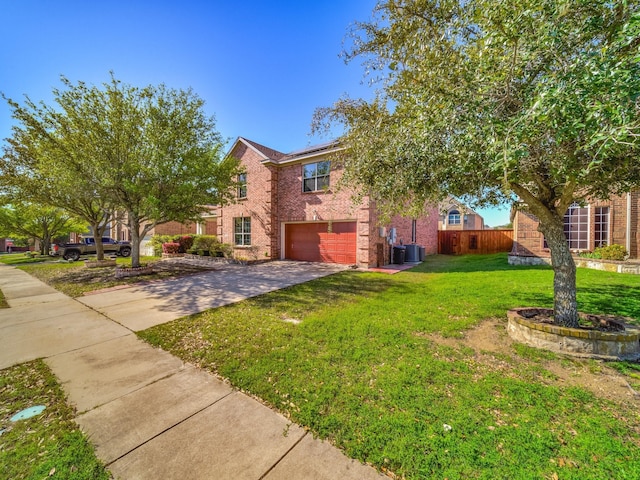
(87, 246)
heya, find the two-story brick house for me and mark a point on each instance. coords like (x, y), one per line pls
(288, 207)
(597, 223)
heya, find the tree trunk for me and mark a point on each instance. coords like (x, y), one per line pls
(46, 243)
(44, 239)
(565, 305)
(134, 228)
(98, 230)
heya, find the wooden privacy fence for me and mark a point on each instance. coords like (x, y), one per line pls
(460, 242)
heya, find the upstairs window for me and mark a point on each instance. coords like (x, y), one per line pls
(315, 176)
(454, 217)
(242, 185)
(242, 231)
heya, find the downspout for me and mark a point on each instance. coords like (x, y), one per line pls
(628, 233)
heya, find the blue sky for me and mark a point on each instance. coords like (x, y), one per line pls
(262, 67)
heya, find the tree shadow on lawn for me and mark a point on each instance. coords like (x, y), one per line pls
(611, 299)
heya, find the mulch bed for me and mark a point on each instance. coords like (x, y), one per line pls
(601, 323)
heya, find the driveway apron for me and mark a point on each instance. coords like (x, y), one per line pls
(148, 414)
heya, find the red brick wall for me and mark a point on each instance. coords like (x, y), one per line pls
(211, 226)
(527, 239)
(620, 222)
(258, 205)
(175, 228)
(294, 205)
(426, 229)
(426, 233)
(618, 219)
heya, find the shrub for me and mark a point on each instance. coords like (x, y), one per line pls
(204, 244)
(589, 254)
(224, 250)
(186, 242)
(170, 247)
(157, 241)
(612, 252)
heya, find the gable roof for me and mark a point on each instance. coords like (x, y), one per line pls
(270, 155)
(311, 151)
(267, 154)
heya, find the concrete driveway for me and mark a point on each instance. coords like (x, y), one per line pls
(143, 306)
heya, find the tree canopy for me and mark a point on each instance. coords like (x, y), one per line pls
(150, 153)
(489, 101)
(35, 222)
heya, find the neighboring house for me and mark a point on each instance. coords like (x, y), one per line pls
(597, 223)
(456, 216)
(288, 208)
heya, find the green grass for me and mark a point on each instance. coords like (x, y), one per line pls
(365, 370)
(21, 258)
(49, 445)
(3, 301)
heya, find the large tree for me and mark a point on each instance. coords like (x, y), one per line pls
(37, 222)
(149, 153)
(53, 159)
(489, 101)
(165, 159)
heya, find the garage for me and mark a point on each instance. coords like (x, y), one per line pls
(333, 242)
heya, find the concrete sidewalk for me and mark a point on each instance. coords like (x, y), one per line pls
(148, 414)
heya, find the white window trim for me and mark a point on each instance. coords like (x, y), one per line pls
(240, 245)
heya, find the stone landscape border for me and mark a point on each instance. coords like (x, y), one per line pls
(123, 272)
(583, 262)
(579, 342)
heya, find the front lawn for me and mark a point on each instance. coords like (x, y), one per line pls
(49, 445)
(414, 372)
